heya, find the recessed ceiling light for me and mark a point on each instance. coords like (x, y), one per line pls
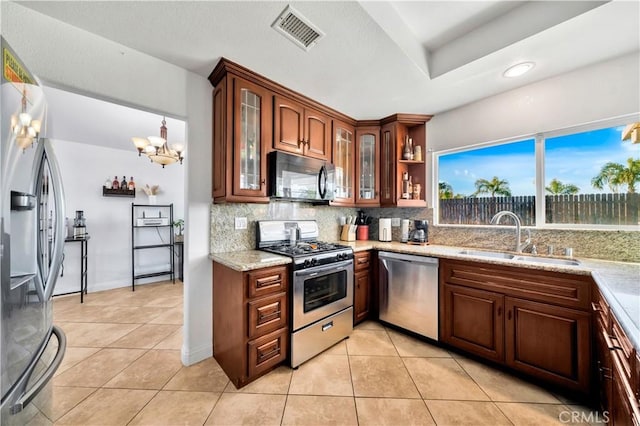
(518, 69)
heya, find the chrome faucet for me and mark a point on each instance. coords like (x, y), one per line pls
(519, 246)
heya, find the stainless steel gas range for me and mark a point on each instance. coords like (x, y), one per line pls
(321, 299)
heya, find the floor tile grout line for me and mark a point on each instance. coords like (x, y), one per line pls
(472, 379)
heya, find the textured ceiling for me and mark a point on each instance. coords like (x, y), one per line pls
(377, 58)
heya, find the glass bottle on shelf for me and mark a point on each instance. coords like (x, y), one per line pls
(107, 183)
(115, 184)
(132, 184)
(123, 184)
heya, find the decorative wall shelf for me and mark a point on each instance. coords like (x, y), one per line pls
(118, 192)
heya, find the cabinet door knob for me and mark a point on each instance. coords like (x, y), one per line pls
(263, 182)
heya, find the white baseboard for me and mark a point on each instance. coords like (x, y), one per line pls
(190, 357)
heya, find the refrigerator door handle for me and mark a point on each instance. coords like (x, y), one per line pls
(59, 234)
(31, 393)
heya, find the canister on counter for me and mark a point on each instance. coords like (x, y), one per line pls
(404, 231)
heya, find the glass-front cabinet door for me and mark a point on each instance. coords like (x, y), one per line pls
(367, 164)
(252, 115)
(343, 149)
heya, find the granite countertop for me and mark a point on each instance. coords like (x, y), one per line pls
(248, 260)
(619, 282)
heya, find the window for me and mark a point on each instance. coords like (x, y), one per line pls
(587, 176)
(592, 177)
(476, 184)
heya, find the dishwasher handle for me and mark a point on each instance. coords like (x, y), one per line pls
(386, 255)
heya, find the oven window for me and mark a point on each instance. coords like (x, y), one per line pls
(324, 290)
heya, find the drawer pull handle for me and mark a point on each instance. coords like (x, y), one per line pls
(327, 326)
(595, 307)
(499, 310)
(509, 315)
(363, 260)
(267, 355)
(267, 281)
(262, 317)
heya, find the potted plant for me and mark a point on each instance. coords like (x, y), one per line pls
(179, 225)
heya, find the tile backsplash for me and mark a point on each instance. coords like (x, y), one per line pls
(224, 236)
(598, 244)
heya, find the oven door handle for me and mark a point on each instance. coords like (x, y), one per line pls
(334, 267)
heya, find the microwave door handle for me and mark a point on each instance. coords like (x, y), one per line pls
(322, 182)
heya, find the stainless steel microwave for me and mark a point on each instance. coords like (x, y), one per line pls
(296, 178)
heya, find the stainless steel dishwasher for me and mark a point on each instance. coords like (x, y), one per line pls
(409, 292)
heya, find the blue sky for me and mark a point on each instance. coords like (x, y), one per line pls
(573, 159)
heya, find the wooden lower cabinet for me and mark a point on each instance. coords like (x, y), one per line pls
(362, 283)
(484, 311)
(250, 318)
(548, 342)
(474, 321)
(617, 366)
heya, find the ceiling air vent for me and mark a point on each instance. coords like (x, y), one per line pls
(297, 28)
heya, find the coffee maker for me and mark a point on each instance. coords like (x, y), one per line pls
(420, 232)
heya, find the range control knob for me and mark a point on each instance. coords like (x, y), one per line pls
(314, 261)
(307, 263)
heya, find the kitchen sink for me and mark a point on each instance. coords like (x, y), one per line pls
(482, 253)
(520, 258)
(547, 260)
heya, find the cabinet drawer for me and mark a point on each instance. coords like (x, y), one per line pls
(266, 281)
(267, 351)
(562, 289)
(600, 309)
(267, 314)
(362, 261)
(623, 348)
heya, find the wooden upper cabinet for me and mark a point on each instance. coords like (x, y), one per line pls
(343, 160)
(396, 131)
(252, 137)
(288, 125)
(367, 173)
(317, 134)
(301, 130)
(242, 134)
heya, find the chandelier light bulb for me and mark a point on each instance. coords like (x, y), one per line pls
(25, 119)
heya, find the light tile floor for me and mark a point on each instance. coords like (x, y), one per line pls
(123, 366)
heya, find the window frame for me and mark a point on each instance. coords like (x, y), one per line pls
(540, 192)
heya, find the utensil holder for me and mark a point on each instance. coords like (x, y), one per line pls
(362, 232)
(348, 233)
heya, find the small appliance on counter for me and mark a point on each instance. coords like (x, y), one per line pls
(420, 233)
(384, 229)
(79, 225)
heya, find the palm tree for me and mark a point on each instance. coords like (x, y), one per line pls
(445, 190)
(615, 175)
(558, 188)
(493, 187)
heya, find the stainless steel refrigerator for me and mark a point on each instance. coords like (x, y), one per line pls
(32, 240)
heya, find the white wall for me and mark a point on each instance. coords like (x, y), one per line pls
(67, 57)
(605, 90)
(84, 170)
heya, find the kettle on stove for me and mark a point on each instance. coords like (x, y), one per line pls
(420, 232)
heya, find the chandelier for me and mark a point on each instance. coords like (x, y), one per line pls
(24, 126)
(157, 150)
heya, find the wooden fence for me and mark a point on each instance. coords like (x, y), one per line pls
(600, 209)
